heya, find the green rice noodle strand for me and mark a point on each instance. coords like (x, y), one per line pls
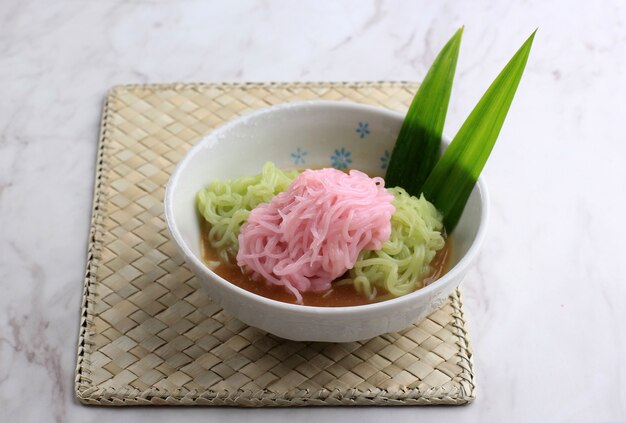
(403, 262)
(226, 204)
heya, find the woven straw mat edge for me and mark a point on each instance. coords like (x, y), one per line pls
(90, 393)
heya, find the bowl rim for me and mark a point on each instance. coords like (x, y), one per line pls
(215, 136)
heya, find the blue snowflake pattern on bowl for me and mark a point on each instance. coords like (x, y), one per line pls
(363, 129)
(341, 159)
(384, 160)
(298, 156)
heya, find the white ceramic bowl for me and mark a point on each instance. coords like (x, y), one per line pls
(309, 134)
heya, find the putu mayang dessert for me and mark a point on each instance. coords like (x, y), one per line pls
(321, 237)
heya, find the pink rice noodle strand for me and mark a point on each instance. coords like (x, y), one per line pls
(312, 233)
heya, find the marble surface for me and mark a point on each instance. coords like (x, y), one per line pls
(546, 300)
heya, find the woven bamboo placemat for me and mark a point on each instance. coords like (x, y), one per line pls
(148, 335)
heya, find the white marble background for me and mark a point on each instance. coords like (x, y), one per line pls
(546, 300)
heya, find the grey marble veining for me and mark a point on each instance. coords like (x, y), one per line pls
(545, 300)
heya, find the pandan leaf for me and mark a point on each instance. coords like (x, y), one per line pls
(449, 185)
(417, 148)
